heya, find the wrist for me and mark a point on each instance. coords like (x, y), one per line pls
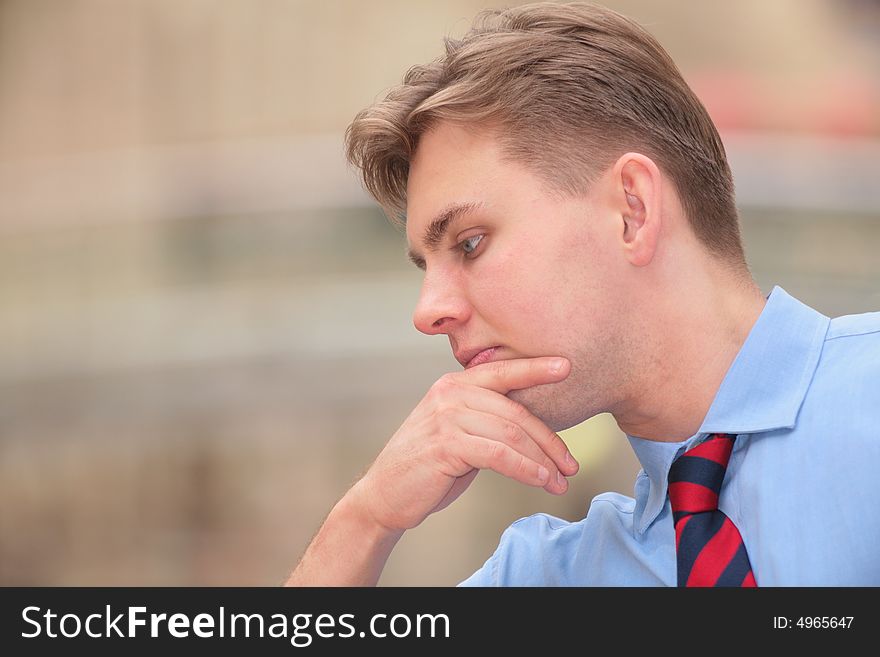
(350, 549)
(357, 507)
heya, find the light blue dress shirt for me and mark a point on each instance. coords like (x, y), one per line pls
(802, 485)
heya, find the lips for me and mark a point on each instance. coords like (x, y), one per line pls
(473, 357)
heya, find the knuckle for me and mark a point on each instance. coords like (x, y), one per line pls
(502, 368)
(523, 467)
(519, 412)
(440, 396)
(496, 452)
(445, 382)
(512, 433)
(441, 389)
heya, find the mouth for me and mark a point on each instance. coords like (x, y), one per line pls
(482, 356)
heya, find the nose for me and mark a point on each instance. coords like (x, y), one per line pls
(442, 304)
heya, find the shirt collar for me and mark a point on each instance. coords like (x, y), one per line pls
(763, 389)
(766, 384)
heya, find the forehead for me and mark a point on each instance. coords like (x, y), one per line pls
(454, 166)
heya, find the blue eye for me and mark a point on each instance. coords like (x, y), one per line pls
(470, 244)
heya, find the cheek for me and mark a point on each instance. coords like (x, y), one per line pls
(522, 295)
(587, 288)
(503, 290)
(559, 293)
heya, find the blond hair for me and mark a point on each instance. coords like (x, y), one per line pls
(568, 88)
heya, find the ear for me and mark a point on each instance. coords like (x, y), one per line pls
(636, 187)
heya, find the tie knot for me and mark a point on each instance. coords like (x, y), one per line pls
(695, 477)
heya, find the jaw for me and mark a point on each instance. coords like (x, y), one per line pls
(555, 405)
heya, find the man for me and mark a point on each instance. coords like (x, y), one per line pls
(570, 203)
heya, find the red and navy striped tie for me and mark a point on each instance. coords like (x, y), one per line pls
(708, 545)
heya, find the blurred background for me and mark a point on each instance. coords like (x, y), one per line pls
(205, 324)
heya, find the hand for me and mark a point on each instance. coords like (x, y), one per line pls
(463, 424)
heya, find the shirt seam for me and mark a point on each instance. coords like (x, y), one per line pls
(852, 335)
(615, 506)
(496, 578)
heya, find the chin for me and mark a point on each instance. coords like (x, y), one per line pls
(552, 406)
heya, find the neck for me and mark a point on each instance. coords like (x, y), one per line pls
(690, 344)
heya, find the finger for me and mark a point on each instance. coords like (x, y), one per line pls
(489, 454)
(486, 401)
(493, 427)
(502, 376)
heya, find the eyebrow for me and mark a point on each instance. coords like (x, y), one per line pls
(438, 228)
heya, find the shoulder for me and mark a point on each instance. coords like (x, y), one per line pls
(517, 559)
(852, 349)
(539, 550)
(844, 398)
(862, 327)
(545, 535)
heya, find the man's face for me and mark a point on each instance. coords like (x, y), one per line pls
(518, 268)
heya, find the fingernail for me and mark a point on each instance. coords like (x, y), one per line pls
(563, 484)
(569, 460)
(556, 365)
(543, 474)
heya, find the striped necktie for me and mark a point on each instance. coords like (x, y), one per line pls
(709, 548)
